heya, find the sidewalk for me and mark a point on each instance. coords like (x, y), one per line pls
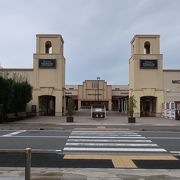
(114, 119)
(90, 174)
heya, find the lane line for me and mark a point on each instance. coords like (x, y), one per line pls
(115, 149)
(112, 144)
(14, 133)
(33, 136)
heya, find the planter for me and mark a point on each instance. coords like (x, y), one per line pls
(69, 119)
(131, 119)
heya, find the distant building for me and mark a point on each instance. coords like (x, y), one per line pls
(148, 82)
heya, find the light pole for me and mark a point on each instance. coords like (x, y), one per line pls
(98, 78)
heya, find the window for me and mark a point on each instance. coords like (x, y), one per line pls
(147, 47)
(48, 47)
(95, 84)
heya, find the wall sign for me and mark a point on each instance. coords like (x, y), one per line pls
(176, 81)
(47, 63)
(148, 64)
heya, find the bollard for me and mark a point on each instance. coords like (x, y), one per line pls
(28, 164)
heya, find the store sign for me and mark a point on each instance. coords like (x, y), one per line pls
(148, 64)
(47, 63)
(176, 81)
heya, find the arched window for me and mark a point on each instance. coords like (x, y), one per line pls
(48, 47)
(147, 48)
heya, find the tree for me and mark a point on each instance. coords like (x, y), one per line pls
(70, 107)
(22, 94)
(14, 94)
(131, 105)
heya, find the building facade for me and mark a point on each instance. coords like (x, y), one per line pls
(114, 97)
(146, 75)
(148, 82)
(48, 75)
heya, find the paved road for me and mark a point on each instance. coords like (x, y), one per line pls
(93, 148)
(92, 141)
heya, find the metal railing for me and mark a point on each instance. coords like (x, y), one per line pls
(28, 154)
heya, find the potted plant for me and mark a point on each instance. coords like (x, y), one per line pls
(131, 105)
(69, 113)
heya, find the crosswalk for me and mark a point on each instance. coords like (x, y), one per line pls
(110, 142)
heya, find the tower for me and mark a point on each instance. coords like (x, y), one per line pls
(146, 75)
(48, 74)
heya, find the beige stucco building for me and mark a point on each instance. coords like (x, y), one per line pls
(148, 82)
(146, 75)
(48, 75)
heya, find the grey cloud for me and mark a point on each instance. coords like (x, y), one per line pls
(97, 33)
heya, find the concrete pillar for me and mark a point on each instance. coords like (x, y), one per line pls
(64, 104)
(79, 104)
(122, 105)
(58, 104)
(35, 101)
(126, 102)
(110, 105)
(118, 104)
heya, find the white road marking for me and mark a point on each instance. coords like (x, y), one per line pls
(163, 137)
(108, 137)
(33, 136)
(175, 152)
(14, 133)
(58, 151)
(112, 135)
(102, 132)
(109, 140)
(112, 144)
(115, 149)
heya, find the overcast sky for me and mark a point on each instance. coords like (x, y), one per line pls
(96, 33)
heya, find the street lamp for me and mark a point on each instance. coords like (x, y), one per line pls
(98, 78)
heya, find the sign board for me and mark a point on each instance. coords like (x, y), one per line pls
(176, 81)
(47, 63)
(148, 64)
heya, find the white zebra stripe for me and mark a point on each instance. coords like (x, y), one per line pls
(112, 144)
(104, 132)
(107, 137)
(109, 140)
(89, 149)
(175, 152)
(113, 135)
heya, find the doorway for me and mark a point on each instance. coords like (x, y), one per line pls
(148, 106)
(46, 105)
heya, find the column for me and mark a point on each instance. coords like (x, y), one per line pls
(79, 104)
(122, 108)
